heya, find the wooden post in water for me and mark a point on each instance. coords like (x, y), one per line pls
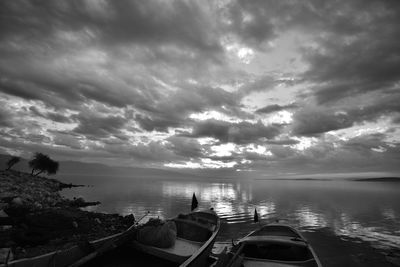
(256, 219)
(194, 202)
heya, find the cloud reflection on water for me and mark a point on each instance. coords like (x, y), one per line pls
(309, 218)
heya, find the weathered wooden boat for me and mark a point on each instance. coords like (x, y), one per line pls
(195, 236)
(276, 245)
(76, 255)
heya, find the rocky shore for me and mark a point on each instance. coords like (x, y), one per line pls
(36, 219)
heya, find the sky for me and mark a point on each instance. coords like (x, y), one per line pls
(277, 87)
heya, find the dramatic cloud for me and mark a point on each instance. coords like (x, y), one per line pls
(312, 122)
(5, 118)
(53, 116)
(240, 133)
(98, 126)
(270, 86)
(275, 108)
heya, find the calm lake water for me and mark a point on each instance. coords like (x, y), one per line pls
(369, 211)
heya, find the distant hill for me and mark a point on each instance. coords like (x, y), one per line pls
(379, 179)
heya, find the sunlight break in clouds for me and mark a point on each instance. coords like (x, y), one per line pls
(268, 86)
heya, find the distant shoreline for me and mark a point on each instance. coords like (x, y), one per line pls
(379, 179)
(376, 179)
(295, 179)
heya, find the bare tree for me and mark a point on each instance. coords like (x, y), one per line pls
(12, 161)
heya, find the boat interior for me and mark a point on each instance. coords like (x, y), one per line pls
(277, 251)
(196, 227)
(275, 230)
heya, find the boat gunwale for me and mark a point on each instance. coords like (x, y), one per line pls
(206, 244)
(250, 240)
(278, 261)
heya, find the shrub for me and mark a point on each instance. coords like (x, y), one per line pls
(42, 163)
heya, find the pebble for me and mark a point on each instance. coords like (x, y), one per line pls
(3, 214)
(38, 205)
(17, 201)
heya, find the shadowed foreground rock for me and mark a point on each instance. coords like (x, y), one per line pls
(36, 219)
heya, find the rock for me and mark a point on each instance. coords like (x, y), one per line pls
(75, 224)
(97, 220)
(393, 257)
(17, 201)
(6, 255)
(3, 214)
(3, 205)
(38, 205)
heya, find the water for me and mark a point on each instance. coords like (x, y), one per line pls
(369, 211)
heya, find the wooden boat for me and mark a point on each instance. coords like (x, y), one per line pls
(76, 255)
(195, 237)
(276, 245)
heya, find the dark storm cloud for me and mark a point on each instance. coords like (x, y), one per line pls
(38, 38)
(275, 108)
(384, 104)
(315, 121)
(185, 147)
(5, 118)
(282, 142)
(239, 133)
(365, 144)
(67, 139)
(57, 117)
(64, 87)
(157, 123)
(264, 83)
(97, 126)
(250, 21)
(281, 152)
(25, 80)
(113, 96)
(149, 22)
(357, 62)
(256, 22)
(310, 122)
(19, 89)
(174, 110)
